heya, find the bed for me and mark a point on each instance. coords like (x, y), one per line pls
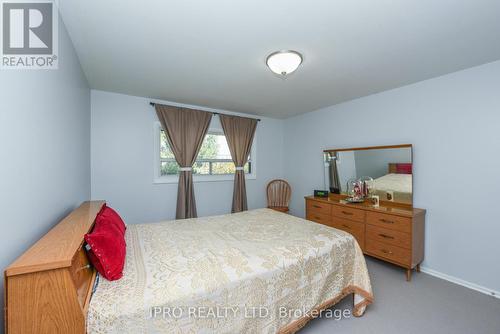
(281, 268)
(244, 260)
(396, 185)
(399, 186)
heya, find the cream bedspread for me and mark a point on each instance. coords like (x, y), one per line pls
(399, 184)
(236, 273)
(396, 182)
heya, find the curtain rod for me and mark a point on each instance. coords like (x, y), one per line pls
(213, 112)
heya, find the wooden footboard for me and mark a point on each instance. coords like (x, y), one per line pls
(48, 288)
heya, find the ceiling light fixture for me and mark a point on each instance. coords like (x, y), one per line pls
(284, 62)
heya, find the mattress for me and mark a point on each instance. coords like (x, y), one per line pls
(258, 271)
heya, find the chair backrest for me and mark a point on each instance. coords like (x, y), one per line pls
(278, 193)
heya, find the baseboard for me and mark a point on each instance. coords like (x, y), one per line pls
(452, 279)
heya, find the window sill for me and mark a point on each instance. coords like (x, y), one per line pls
(199, 178)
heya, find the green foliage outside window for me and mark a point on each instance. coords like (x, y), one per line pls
(213, 159)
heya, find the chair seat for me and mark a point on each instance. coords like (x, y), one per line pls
(279, 208)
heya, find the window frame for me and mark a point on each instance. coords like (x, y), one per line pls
(159, 179)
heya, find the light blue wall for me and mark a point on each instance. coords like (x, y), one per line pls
(123, 160)
(454, 124)
(375, 163)
(45, 150)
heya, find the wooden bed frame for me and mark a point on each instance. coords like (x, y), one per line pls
(48, 288)
(392, 168)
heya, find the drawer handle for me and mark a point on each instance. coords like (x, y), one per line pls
(346, 226)
(317, 206)
(386, 221)
(386, 236)
(316, 217)
(347, 213)
(386, 251)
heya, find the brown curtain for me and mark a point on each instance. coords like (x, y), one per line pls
(185, 130)
(334, 174)
(239, 133)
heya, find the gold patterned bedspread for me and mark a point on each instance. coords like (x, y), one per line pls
(258, 271)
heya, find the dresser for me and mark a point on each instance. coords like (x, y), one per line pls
(394, 234)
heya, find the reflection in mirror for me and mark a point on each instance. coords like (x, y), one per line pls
(390, 169)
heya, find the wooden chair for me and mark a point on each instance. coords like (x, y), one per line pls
(278, 195)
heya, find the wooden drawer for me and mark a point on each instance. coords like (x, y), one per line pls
(394, 253)
(318, 207)
(391, 222)
(319, 218)
(392, 237)
(348, 213)
(352, 227)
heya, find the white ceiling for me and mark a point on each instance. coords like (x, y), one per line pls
(212, 53)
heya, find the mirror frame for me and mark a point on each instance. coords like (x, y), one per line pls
(370, 148)
(382, 202)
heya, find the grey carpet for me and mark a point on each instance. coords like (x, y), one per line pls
(425, 305)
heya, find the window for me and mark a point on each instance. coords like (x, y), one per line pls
(213, 162)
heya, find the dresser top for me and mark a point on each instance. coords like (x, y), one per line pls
(394, 210)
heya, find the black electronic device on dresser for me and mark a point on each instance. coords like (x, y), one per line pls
(321, 193)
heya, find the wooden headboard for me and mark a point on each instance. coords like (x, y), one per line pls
(48, 288)
(392, 168)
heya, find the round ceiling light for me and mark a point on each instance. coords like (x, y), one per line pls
(284, 62)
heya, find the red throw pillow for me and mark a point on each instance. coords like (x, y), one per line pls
(107, 250)
(404, 168)
(110, 216)
(106, 247)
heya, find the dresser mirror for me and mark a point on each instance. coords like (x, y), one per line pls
(386, 170)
